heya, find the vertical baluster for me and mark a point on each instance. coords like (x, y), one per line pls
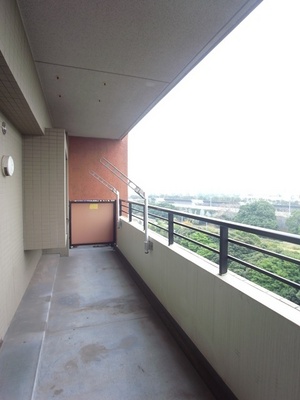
(130, 212)
(171, 228)
(223, 261)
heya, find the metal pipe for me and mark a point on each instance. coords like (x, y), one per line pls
(147, 248)
(118, 209)
(122, 177)
(114, 190)
(137, 190)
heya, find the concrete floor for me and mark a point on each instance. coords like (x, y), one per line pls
(85, 331)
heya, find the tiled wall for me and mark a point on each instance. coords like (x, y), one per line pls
(16, 265)
(44, 172)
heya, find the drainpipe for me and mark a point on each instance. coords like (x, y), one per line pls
(138, 190)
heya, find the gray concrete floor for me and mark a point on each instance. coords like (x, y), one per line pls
(85, 331)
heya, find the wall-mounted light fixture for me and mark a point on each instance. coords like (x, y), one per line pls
(8, 165)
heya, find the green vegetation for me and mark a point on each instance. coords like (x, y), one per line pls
(293, 222)
(259, 213)
(284, 269)
(281, 268)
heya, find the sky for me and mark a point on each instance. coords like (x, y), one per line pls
(231, 126)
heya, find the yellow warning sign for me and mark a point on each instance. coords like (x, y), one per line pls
(93, 207)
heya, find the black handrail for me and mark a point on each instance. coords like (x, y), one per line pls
(171, 218)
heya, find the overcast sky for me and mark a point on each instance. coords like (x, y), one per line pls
(232, 125)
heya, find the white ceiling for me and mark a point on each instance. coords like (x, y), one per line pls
(103, 64)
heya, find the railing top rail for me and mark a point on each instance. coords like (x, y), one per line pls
(270, 233)
(269, 258)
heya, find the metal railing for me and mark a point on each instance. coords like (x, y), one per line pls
(177, 226)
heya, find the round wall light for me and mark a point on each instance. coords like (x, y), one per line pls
(8, 165)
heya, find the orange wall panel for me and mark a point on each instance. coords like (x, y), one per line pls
(84, 155)
(92, 223)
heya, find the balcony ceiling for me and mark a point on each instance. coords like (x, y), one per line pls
(104, 64)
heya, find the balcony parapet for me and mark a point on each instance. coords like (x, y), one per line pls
(249, 336)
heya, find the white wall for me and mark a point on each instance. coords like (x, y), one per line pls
(251, 338)
(16, 265)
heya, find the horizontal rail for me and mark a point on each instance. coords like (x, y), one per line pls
(265, 251)
(198, 230)
(265, 272)
(197, 243)
(270, 233)
(174, 221)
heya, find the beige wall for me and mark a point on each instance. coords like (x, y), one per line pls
(16, 51)
(45, 197)
(24, 103)
(16, 265)
(250, 337)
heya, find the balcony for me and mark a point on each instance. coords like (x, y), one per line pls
(248, 335)
(85, 330)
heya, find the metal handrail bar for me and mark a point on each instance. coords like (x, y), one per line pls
(126, 209)
(137, 210)
(265, 251)
(139, 218)
(158, 226)
(197, 243)
(187, 238)
(224, 240)
(270, 233)
(158, 216)
(193, 228)
(266, 272)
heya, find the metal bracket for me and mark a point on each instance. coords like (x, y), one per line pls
(137, 190)
(148, 246)
(114, 190)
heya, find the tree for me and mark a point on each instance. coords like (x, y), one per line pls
(259, 213)
(293, 222)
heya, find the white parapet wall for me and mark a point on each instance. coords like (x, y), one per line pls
(249, 336)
